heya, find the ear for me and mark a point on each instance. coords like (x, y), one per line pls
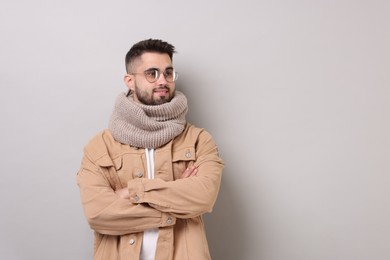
(129, 81)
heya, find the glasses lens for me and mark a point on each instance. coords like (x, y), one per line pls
(152, 75)
(169, 75)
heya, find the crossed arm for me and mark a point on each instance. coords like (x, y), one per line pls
(111, 212)
(189, 172)
(150, 203)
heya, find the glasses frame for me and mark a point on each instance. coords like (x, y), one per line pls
(175, 75)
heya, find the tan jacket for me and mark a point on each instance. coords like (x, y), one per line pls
(172, 204)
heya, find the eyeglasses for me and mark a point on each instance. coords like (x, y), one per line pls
(152, 75)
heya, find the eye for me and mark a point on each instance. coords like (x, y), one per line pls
(169, 72)
(152, 73)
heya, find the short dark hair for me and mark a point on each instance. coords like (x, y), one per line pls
(150, 45)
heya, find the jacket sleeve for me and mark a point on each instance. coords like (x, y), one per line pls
(188, 197)
(109, 214)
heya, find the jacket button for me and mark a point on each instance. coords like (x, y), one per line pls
(132, 241)
(136, 198)
(139, 174)
(169, 221)
(188, 154)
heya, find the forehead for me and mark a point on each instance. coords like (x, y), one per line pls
(154, 60)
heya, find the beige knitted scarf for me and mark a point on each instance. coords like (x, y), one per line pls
(147, 126)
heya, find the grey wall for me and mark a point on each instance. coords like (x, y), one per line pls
(296, 94)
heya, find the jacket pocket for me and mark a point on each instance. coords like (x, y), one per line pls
(110, 168)
(181, 159)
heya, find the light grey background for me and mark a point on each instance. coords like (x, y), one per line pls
(296, 94)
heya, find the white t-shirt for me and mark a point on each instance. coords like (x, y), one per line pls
(149, 241)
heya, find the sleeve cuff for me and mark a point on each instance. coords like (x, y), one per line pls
(136, 190)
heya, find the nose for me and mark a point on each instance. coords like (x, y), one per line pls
(161, 79)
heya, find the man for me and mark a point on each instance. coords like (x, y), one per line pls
(146, 181)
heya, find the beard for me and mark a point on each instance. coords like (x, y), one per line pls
(147, 98)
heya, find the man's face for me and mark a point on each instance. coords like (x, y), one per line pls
(158, 92)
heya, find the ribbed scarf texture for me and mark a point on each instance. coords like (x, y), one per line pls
(147, 126)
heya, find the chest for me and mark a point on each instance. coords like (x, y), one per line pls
(169, 163)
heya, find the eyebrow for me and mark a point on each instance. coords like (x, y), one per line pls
(153, 68)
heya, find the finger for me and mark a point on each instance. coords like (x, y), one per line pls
(186, 173)
(189, 172)
(194, 172)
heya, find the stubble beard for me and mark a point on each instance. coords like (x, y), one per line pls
(147, 99)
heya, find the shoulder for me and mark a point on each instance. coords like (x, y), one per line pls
(100, 139)
(198, 140)
(192, 134)
(101, 146)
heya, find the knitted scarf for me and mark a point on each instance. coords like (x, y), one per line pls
(147, 126)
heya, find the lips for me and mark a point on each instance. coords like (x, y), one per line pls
(161, 90)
